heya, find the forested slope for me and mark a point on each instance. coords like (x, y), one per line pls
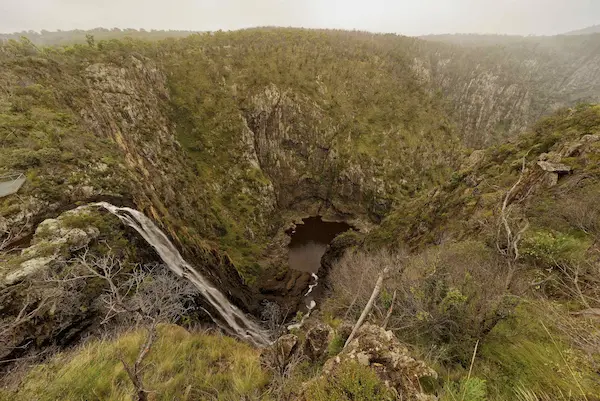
(228, 139)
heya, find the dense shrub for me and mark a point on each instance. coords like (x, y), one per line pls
(439, 301)
(554, 248)
(352, 382)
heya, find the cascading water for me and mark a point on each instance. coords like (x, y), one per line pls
(309, 241)
(237, 322)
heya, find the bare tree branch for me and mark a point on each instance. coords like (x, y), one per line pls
(513, 231)
(369, 305)
(390, 310)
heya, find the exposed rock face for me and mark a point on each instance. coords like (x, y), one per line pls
(36, 312)
(289, 346)
(285, 347)
(53, 243)
(128, 104)
(554, 167)
(226, 191)
(476, 157)
(297, 147)
(316, 342)
(281, 352)
(379, 349)
(498, 87)
(553, 171)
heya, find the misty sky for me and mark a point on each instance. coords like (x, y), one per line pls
(410, 17)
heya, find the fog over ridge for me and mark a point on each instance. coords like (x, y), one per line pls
(523, 17)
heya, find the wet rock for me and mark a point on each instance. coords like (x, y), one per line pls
(317, 341)
(338, 247)
(380, 350)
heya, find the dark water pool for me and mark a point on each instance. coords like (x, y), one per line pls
(309, 242)
(307, 247)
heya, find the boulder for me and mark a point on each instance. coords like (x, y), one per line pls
(553, 170)
(554, 167)
(28, 268)
(281, 352)
(381, 350)
(550, 180)
(579, 147)
(344, 330)
(473, 160)
(53, 242)
(317, 341)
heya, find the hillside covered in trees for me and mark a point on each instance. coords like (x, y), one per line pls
(466, 165)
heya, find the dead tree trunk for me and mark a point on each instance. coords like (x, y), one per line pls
(511, 252)
(390, 310)
(135, 372)
(369, 305)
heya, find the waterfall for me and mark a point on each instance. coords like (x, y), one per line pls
(237, 322)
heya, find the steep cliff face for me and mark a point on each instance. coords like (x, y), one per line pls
(223, 163)
(554, 168)
(305, 159)
(227, 139)
(498, 86)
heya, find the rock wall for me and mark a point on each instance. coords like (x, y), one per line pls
(498, 86)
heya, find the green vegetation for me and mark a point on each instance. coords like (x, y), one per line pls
(350, 382)
(531, 351)
(241, 176)
(180, 365)
(225, 139)
(62, 38)
(472, 389)
(551, 248)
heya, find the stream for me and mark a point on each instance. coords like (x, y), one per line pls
(309, 241)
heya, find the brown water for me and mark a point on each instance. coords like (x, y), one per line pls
(309, 242)
(308, 245)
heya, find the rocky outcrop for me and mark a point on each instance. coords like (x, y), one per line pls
(282, 351)
(499, 86)
(38, 309)
(289, 347)
(372, 347)
(52, 245)
(558, 168)
(316, 341)
(380, 350)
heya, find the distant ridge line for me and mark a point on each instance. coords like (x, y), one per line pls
(585, 31)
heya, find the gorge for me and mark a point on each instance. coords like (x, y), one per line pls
(277, 169)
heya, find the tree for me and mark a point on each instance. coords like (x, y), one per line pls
(131, 296)
(148, 295)
(89, 38)
(513, 228)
